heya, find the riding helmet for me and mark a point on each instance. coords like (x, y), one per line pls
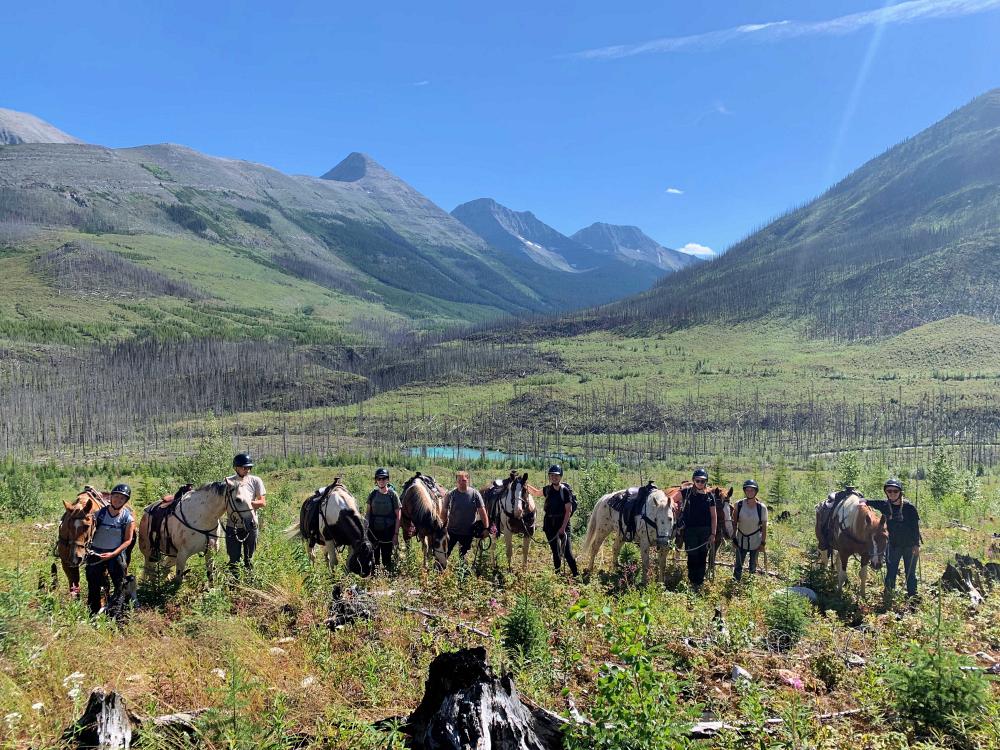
(381, 473)
(556, 469)
(893, 483)
(750, 484)
(122, 489)
(242, 460)
(700, 474)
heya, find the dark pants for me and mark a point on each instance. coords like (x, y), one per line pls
(240, 543)
(695, 543)
(464, 542)
(741, 555)
(560, 545)
(115, 568)
(892, 558)
(381, 540)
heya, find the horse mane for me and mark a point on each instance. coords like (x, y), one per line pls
(424, 511)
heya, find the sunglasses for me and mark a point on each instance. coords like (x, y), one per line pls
(892, 491)
(701, 481)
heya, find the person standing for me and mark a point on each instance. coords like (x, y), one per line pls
(383, 516)
(558, 508)
(464, 504)
(241, 528)
(113, 534)
(903, 523)
(699, 521)
(750, 522)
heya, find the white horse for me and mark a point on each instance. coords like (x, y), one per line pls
(511, 509)
(338, 523)
(192, 524)
(654, 526)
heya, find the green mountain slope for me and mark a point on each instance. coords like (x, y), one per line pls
(911, 237)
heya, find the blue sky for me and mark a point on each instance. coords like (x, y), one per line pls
(578, 111)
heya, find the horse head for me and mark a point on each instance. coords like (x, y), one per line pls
(724, 511)
(77, 528)
(516, 496)
(660, 510)
(880, 541)
(238, 496)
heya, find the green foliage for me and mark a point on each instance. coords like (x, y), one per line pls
(828, 667)
(972, 489)
(212, 460)
(522, 631)
(931, 691)
(716, 474)
(157, 171)
(599, 478)
(20, 494)
(941, 476)
(815, 478)
(822, 580)
(787, 617)
(636, 705)
(780, 486)
(848, 470)
(257, 218)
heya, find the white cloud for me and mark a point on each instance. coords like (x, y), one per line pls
(774, 31)
(675, 191)
(693, 248)
(421, 83)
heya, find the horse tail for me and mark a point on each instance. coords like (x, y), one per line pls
(588, 540)
(293, 532)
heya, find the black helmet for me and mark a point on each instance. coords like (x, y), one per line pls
(381, 473)
(700, 474)
(893, 483)
(556, 469)
(750, 484)
(122, 489)
(242, 460)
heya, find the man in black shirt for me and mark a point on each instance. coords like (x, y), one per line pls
(556, 524)
(699, 522)
(903, 523)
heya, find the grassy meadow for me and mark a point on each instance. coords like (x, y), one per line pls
(650, 661)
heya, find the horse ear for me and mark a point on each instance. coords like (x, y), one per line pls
(729, 494)
(524, 477)
(89, 506)
(68, 506)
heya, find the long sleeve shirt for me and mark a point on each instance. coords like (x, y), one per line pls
(902, 520)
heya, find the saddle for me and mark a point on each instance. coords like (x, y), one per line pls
(630, 504)
(160, 543)
(427, 480)
(493, 500)
(827, 511)
(346, 532)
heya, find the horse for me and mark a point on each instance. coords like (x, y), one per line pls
(847, 526)
(425, 516)
(76, 530)
(725, 528)
(191, 524)
(511, 509)
(330, 517)
(653, 519)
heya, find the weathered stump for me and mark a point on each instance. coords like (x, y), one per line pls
(467, 707)
(104, 725)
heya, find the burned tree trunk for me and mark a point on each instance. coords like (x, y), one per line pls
(104, 725)
(466, 706)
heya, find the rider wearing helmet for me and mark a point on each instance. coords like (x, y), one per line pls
(699, 522)
(903, 523)
(383, 516)
(241, 528)
(750, 523)
(113, 534)
(559, 506)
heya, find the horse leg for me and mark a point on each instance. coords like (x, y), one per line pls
(842, 570)
(661, 565)
(525, 546)
(595, 546)
(331, 555)
(644, 551)
(864, 577)
(616, 549)
(508, 538)
(73, 576)
(712, 549)
(310, 552)
(182, 558)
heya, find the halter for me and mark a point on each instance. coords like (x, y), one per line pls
(230, 491)
(650, 522)
(85, 546)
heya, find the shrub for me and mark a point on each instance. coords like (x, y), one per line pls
(828, 667)
(599, 478)
(523, 632)
(941, 476)
(20, 494)
(848, 469)
(786, 618)
(931, 690)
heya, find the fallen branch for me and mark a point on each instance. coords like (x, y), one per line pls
(706, 730)
(438, 616)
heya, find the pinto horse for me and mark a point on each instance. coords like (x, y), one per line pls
(76, 530)
(330, 517)
(511, 509)
(192, 525)
(725, 528)
(847, 526)
(425, 516)
(654, 525)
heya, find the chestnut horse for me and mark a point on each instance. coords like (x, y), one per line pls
(76, 530)
(847, 526)
(425, 516)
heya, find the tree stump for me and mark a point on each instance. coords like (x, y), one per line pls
(104, 725)
(467, 707)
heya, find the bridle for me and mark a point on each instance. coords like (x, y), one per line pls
(235, 514)
(84, 546)
(652, 523)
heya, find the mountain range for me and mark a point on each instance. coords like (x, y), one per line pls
(358, 232)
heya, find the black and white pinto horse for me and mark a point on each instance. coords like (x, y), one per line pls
(511, 509)
(330, 517)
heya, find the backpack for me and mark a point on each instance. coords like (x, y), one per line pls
(574, 503)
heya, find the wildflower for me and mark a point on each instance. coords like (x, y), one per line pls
(74, 693)
(220, 673)
(11, 719)
(309, 681)
(73, 679)
(277, 651)
(37, 706)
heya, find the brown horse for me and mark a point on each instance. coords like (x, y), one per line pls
(725, 529)
(76, 530)
(847, 526)
(425, 516)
